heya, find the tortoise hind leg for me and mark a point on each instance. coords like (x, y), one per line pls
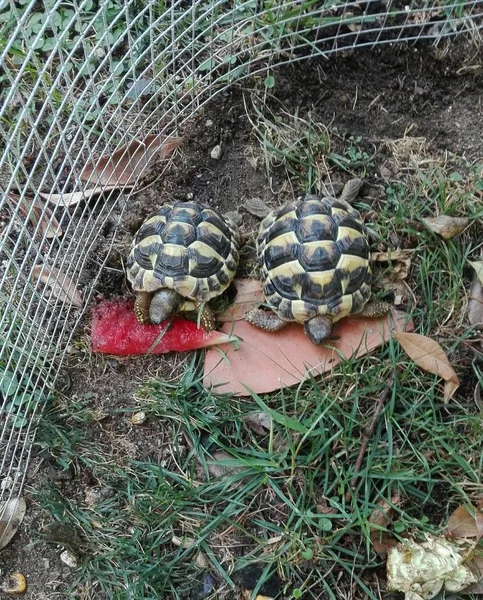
(267, 320)
(375, 309)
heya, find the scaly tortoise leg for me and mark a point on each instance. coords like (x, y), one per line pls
(141, 307)
(375, 309)
(207, 317)
(200, 312)
(266, 320)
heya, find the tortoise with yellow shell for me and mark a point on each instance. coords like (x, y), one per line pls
(183, 255)
(315, 265)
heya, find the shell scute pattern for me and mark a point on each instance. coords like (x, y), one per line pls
(186, 247)
(314, 259)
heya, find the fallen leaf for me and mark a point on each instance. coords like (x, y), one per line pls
(474, 311)
(48, 223)
(382, 541)
(256, 207)
(465, 523)
(446, 227)
(115, 330)
(249, 293)
(476, 566)
(73, 198)
(267, 361)
(12, 513)
(429, 355)
(126, 164)
(260, 422)
(218, 469)
(400, 261)
(478, 267)
(63, 288)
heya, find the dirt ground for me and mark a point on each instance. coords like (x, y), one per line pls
(376, 96)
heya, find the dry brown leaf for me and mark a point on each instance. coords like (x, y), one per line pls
(400, 261)
(478, 267)
(260, 422)
(465, 523)
(267, 361)
(474, 311)
(446, 227)
(73, 198)
(257, 207)
(249, 293)
(63, 288)
(218, 470)
(476, 566)
(429, 355)
(126, 164)
(12, 513)
(382, 541)
(48, 223)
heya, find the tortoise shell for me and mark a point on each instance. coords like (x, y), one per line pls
(314, 260)
(186, 247)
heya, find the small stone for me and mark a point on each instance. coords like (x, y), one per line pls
(216, 152)
(138, 418)
(6, 484)
(234, 216)
(189, 196)
(386, 173)
(208, 123)
(69, 558)
(17, 584)
(92, 497)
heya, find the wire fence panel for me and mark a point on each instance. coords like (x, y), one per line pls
(81, 80)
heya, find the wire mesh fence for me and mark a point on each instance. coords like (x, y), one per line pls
(83, 80)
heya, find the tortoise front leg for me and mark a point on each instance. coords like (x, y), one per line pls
(141, 307)
(207, 316)
(202, 311)
(267, 320)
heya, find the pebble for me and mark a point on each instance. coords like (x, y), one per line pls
(138, 418)
(69, 558)
(234, 216)
(7, 483)
(216, 152)
(209, 123)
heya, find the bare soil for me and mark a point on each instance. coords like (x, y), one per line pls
(377, 96)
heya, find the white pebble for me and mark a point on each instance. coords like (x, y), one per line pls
(69, 558)
(216, 152)
(138, 418)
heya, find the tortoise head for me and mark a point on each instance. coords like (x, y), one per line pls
(318, 329)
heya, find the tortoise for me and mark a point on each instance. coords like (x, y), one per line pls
(182, 256)
(314, 264)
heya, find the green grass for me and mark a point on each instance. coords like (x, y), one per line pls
(286, 508)
(289, 501)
